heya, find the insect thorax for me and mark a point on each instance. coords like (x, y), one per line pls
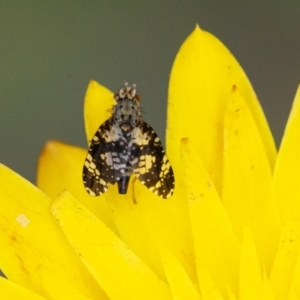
(126, 113)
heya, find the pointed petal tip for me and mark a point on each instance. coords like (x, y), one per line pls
(197, 27)
(51, 144)
(196, 32)
(50, 147)
(92, 83)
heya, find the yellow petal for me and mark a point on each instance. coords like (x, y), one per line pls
(118, 270)
(180, 284)
(231, 296)
(201, 81)
(13, 291)
(250, 273)
(209, 290)
(267, 291)
(64, 290)
(97, 107)
(284, 263)
(215, 243)
(133, 218)
(247, 179)
(31, 243)
(294, 292)
(59, 168)
(286, 174)
(159, 221)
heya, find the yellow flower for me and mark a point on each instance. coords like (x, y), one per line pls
(230, 231)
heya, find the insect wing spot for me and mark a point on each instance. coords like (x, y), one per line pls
(152, 167)
(90, 192)
(92, 166)
(95, 139)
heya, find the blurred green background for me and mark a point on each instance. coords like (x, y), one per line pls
(50, 50)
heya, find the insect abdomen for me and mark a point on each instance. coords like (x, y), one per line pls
(123, 184)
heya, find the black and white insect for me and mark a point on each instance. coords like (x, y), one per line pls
(125, 145)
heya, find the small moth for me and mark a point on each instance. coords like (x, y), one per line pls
(125, 145)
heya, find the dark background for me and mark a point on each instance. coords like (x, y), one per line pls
(50, 50)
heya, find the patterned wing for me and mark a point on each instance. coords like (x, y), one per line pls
(103, 163)
(150, 163)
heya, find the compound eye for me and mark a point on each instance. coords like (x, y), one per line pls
(137, 98)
